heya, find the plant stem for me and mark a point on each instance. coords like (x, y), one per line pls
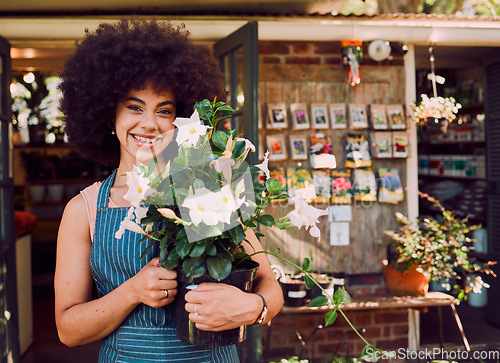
(321, 287)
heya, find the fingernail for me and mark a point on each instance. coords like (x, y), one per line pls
(191, 287)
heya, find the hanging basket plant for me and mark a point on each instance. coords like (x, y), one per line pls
(435, 110)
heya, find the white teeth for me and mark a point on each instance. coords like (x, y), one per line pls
(144, 139)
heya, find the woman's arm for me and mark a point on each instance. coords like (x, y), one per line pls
(79, 319)
(222, 307)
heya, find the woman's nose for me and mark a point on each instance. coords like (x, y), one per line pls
(148, 121)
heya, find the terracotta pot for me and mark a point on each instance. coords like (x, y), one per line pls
(186, 329)
(411, 282)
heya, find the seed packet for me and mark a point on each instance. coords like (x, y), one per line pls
(357, 151)
(321, 151)
(297, 178)
(364, 185)
(322, 185)
(341, 186)
(390, 188)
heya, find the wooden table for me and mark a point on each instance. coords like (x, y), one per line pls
(416, 303)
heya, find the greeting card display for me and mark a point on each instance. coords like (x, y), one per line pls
(298, 146)
(319, 116)
(338, 115)
(357, 151)
(357, 114)
(276, 146)
(381, 144)
(339, 234)
(390, 188)
(341, 186)
(378, 117)
(364, 185)
(297, 178)
(300, 116)
(320, 151)
(340, 213)
(277, 116)
(322, 185)
(400, 144)
(396, 117)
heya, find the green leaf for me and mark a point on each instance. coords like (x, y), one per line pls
(338, 297)
(309, 281)
(306, 265)
(237, 234)
(190, 264)
(145, 252)
(219, 139)
(197, 250)
(183, 248)
(198, 183)
(318, 301)
(369, 353)
(346, 298)
(273, 185)
(330, 317)
(266, 220)
(239, 149)
(219, 268)
(224, 107)
(211, 250)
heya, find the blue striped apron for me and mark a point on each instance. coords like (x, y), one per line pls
(147, 334)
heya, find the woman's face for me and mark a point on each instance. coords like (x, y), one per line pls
(144, 125)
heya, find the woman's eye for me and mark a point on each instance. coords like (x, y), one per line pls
(165, 112)
(134, 108)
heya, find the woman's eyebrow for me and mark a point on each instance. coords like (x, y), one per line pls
(142, 102)
(165, 103)
(136, 100)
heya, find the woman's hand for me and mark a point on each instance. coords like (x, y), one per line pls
(153, 285)
(217, 306)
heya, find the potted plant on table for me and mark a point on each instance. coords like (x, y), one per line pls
(433, 249)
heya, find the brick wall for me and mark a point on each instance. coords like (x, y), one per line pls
(313, 53)
(385, 328)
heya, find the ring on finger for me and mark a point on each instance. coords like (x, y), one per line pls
(195, 308)
(166, 293)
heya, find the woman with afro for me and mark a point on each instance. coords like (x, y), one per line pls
(123, 88)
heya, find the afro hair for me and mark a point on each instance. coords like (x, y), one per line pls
(117, 58)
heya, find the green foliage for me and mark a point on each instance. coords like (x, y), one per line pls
(190, 170)
(440, 247)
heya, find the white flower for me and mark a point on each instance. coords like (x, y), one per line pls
(224, 165)
(248, 146)
(202, 207)
(227, 204)
(263, 166)
(138, 187)
(190, 129)
(129, 224)
(306, 215)
(170, 214)
(308, 193)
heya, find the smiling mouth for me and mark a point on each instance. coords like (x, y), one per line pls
(146, 140)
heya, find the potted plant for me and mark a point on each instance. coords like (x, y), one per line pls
(201, 200)
(434, 114)
(434, 249)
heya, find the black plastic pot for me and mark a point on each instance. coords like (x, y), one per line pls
(186, 329)
(294, 291)
(315, 291)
